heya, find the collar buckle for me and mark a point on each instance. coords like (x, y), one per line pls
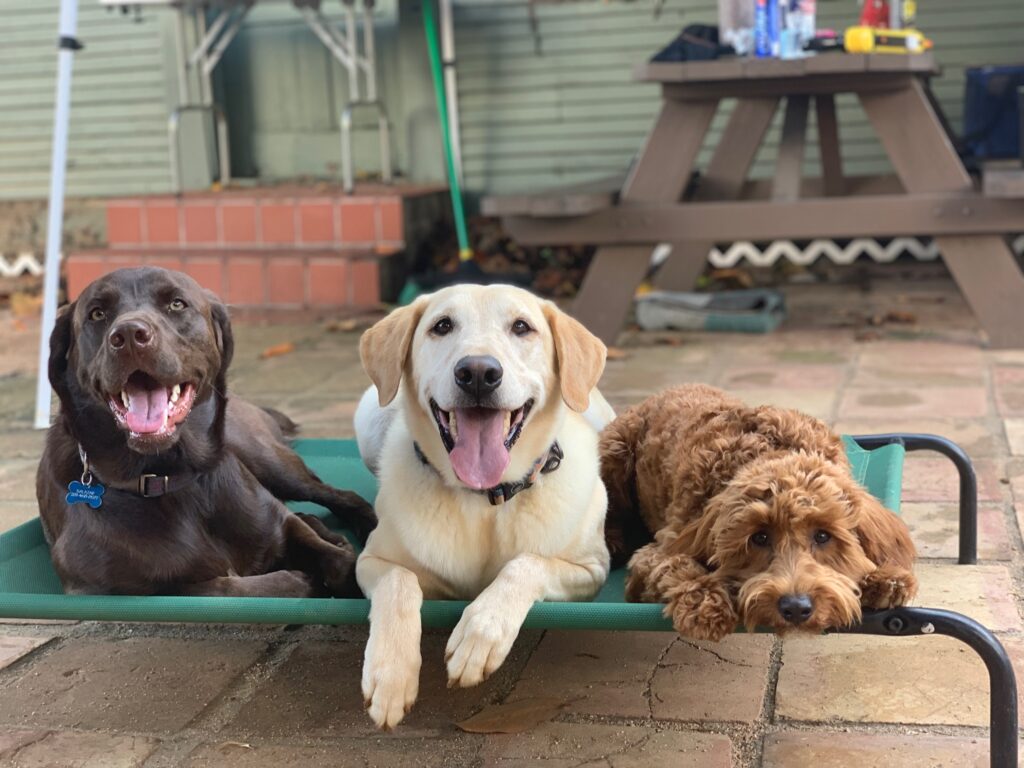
(162, 483)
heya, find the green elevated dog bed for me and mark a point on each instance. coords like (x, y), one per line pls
(29, 587)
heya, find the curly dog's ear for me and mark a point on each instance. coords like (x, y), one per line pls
(384, 348)
(581, 357)
(883, 535)
(617, 448)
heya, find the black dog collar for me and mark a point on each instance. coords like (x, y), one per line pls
(499, 494)
(147, 485)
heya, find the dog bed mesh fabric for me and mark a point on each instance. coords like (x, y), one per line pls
(30, 589)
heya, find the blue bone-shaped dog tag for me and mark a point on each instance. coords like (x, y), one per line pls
(87, 494)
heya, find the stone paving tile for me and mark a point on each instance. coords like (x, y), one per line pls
(934, 528)
(976, 437)
(61, 749)
(320, 416)
(599, 673)
(563, 745)
(140, 684)
(816, 402)
(21, 443)
(384, 752)
(1015, 435)
(700, 681)
(946, 402)
(906, 355)
(937, 480)
(18, 479)
(792, 376)
(886, 680)
(913, 378)
(985, 593)
(14, 647)
(316, 692)
(823, 749)
(1009, 388)
(14, 513)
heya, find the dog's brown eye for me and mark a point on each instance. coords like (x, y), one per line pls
(759, 539)
(442, 327)
(96, 314)
(177, 305)
(521, 328)
(822, 537)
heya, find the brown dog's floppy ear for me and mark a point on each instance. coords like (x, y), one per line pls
(581, 357)
(883, 535)
(61, 343)
(222, 330)
(385, 346)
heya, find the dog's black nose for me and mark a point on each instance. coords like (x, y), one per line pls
(478, 375)
(138, 333)
(796, 609)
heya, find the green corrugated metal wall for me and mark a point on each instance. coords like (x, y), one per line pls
(573, 114)
(118, 135)
(528, 120)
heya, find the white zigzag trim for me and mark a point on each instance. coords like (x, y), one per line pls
(831, 250)
(21, 264)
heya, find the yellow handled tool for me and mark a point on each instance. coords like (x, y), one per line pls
(877, 40)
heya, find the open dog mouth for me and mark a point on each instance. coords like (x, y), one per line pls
(478, 440)
(146, 407)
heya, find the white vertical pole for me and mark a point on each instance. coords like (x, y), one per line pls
(451, 86)
(67, 46)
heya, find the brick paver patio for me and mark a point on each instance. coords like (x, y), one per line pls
(169, 695)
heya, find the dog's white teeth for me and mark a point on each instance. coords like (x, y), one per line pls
(453, 428)
(175, 393)
(124, 399)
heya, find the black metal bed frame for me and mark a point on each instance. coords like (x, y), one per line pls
(903, 622)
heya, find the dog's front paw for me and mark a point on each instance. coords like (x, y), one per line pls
(702, 613)
(479, 644)
(390, 685)
(887, 587)
(338, 569)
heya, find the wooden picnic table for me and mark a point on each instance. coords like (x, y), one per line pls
(931, 194)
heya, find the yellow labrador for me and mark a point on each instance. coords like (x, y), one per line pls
(482, 427)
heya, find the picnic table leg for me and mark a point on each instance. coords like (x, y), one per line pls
(828, 145)
(983, 266)
(727, 170)
(661, 174)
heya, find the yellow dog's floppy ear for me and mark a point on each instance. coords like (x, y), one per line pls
(384, 348)
(581, 357)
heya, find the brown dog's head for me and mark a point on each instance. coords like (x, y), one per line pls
(144, 347)
(794, 535)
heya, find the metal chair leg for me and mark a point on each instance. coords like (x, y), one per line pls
(968, 480)
(902, 622)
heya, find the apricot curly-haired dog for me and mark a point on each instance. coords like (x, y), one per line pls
(755, 517)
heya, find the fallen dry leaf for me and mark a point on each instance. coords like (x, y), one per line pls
(900, 316)
(516, 717)
(277, 350)
(239, 744)
(342, 326)
(617, 353)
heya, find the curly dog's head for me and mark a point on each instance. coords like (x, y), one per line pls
(794, 535)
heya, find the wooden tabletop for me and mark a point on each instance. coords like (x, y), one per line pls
(750, 68)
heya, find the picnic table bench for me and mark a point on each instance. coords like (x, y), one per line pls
(657, 201)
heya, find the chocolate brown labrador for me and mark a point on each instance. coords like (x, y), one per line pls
(191, 480)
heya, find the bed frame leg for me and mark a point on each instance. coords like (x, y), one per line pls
(968, 480)
(902, 622)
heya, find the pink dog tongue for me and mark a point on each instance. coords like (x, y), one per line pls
(147, 408)
(479, 457)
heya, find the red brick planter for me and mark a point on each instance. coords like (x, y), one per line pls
(278, 247)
